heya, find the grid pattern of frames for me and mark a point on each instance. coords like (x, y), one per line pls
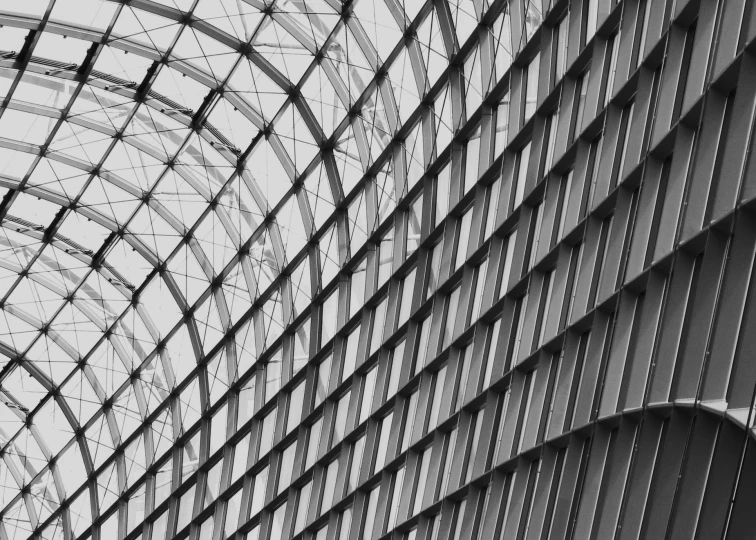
(417, 269)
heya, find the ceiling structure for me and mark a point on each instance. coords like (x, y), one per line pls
(180, 178)
(372, 269)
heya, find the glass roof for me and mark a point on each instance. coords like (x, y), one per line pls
(170, 173)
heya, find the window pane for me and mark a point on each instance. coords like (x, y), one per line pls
(232, 513)
(287, 467)
(304, 501)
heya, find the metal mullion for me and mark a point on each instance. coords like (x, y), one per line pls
(223, 311)
(38, 373)
(363, 146)
(196, 341)
(214, 32)
(142, 146)
(117, 181)
(342, 237)
(247, 110)
(487, 49)
(308, 219)
(33, 108)
(336, 81)
(401, 165)
(397, 12)
(115, 435)
(175, 223)
(446, 26)
(279, 250)
(157, 9)
(170, 400)
(256, 320)
(13, 470)
(291, 26)
(363, 41)
(150, 480)
(418, 67)
(247, 491)
(310, 120)
(62, 158)
(31, 511)
(141, 403)
(191, 71)
(268, 69)
(66, 513)
(335, 4)
(332, 173)
(18, 21)
(389, 105)
(371, 203)
(204, 427)
(232, 397)
(84, 34)
(219, 514)
(228, 224)
(167, 277)
(457, 100)
(89, 313)
(287, 308)
(138, 246)
(251, 185)
(135, 48)
(20, 146)
(121, 351)
(123, 354)
(91, 125)
(7, 263)
(283, 156)
(188, 176)
(39, 192)
(249, 278)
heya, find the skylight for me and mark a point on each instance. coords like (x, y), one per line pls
(171, 171)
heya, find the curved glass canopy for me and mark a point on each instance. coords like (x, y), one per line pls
(181, 178)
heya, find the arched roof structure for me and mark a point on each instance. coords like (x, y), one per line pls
(171, 172)
(282, 268)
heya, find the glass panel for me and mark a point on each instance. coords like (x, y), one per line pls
(296, 404)
(303, 508)
(233, 506)
(329, 486)
(258, 491)
(286, 467)
(186, 506)
(313, 443)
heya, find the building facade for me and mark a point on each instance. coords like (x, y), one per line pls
(407, 269)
